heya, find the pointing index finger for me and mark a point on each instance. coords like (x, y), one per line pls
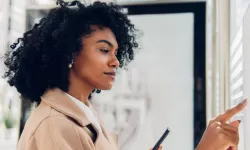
(232, 111)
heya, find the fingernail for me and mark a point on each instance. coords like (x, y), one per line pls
(244, 102)
(239, 121)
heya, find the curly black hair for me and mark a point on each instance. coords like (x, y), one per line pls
(39, 60)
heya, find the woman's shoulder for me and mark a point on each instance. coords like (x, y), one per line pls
(42, 115)
(49, 129)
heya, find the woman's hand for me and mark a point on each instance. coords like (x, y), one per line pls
(222, 136)
(160, 148)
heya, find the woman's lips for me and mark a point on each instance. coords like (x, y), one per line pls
(110, 74)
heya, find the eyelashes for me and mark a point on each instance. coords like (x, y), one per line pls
(104, 51)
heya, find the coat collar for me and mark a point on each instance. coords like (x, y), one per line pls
(58, 100)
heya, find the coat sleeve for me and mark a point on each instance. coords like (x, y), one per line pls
(60, 133)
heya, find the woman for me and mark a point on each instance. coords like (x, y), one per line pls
(73, 52)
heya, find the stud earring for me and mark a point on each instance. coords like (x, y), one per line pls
(70, 65)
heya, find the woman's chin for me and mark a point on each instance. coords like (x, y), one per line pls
(106, 87)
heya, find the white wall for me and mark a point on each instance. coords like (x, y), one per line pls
(167, 61)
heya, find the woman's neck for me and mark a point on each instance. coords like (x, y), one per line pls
(79, 89)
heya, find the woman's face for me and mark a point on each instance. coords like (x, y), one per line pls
(96, 63)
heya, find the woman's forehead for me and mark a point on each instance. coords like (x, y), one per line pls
(102, 34)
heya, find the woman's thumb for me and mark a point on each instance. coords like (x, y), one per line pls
(235, 123)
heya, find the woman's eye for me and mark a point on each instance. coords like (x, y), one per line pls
(104, 50)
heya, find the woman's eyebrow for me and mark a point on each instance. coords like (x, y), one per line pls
(105, 41)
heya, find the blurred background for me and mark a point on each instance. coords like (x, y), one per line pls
(192, 66)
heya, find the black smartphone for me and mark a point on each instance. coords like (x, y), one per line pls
(165, 134)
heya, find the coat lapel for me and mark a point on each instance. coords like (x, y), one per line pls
(111, 137)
